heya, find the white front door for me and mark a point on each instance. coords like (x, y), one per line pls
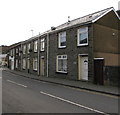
(83, 67)
(12, 64)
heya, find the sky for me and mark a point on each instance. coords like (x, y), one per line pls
(19, 17)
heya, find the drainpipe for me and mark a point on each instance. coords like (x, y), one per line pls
(38, 56)
(47, 54)
(21, 53)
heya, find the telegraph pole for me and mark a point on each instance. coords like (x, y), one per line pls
(32, 32)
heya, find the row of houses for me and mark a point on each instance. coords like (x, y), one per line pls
(83, 49)
(3, 55)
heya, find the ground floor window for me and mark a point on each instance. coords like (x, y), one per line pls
(61, 65)
(34, 63)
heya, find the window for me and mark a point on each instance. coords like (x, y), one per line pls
(19, 50)
(35, 46)
(24, 49)
(42, 44)
(62, 40)
(12, 53)
(24, 63)
(82, 36)
(28, 48)
(16, 63)
(62, 63)
(34, 63)
(16, 50)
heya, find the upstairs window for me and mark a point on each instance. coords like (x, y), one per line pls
(19, 51)
(62, 40)
(35, 46)
(62, 63)
(16, 50)
(28, 48)
(42, 44)
(24, 49)
(82, 36)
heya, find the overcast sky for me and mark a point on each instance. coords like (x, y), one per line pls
(19, 17)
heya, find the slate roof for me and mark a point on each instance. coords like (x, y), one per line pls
(91, 18)
(85, 19)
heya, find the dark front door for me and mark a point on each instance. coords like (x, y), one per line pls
(98, 71)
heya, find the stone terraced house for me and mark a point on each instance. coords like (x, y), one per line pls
(83, 49)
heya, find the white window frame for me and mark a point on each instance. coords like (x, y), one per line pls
(35, 64)
(61, 57)
(35, 46)
(42, 44)
(80, 31)
(24, 49)
(28, 48)
(59, 39)
(24, 63)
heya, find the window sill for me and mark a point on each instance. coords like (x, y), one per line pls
(62, 72)
(62, 47)
(42, 50)
(35, 70)
(82, 45)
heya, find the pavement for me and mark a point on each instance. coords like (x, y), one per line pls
(106, 89)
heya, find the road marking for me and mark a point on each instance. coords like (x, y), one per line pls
(17, 83)
(73, 103)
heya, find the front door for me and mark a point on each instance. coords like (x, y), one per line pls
(12, 64)
(28, 65)
(98, 71)
(83, 67)
(42, 66)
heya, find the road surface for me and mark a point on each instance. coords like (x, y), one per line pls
(25, 95)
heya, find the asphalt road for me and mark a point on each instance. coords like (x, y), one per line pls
(24, 95)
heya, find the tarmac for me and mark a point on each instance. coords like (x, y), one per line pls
(106, 89)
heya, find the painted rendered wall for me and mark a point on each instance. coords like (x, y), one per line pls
(106, 39)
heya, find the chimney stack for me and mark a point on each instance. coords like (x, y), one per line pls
(68, 18)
